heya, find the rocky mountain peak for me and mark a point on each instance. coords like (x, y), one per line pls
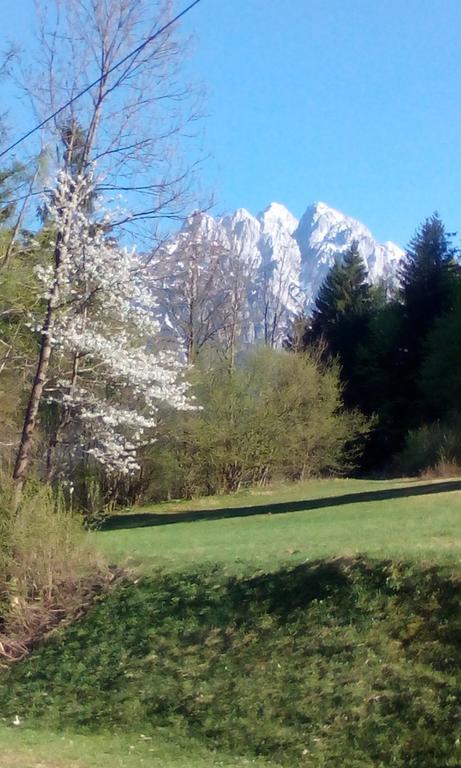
(288, 259)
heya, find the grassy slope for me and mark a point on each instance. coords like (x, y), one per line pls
(380, 648)
(352, 662)
(26, 748)
(426, 526)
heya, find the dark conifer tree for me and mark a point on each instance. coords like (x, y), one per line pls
(440, 372)
(427, 280)
(344, 293)
(341, 314)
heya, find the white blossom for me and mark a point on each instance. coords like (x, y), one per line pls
(104, 316)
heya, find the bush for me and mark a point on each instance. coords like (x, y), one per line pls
(48, 568)
(433, 449)
(277, 415)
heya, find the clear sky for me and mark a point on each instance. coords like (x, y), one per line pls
(353, 102)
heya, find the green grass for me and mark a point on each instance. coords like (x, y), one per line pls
(422, 527)
(25, 748)
(353, 663)
(237, 644)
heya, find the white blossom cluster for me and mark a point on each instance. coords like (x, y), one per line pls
(104, 318)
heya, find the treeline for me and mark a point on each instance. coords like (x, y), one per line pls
(368, 382)
(121, 419)
(124, 413)
(124, 375)
(107, 403)
(398, 347)
(243, 419)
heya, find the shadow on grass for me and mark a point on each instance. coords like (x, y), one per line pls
(145, 519)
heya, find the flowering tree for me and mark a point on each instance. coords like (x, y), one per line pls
(100, 324)
(128, 126)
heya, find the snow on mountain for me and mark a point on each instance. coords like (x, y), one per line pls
(324, 234)
(280, 254)
(287, 260)
(296, 256)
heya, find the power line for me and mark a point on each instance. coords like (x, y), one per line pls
(98, 80)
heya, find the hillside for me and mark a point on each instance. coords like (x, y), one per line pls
(273, 655)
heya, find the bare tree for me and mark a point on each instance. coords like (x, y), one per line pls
(208, 288)
(127, 127)
(133, 119)
(240, 276)
(275, 292)
(193, 289)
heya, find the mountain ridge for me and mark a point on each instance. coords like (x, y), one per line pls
(286, 259)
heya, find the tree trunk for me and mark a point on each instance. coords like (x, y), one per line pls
(63, 421)
(21, 466)
(23, 456)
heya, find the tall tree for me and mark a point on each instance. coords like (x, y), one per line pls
(110, 145)
(132, 121)
(344, 293)
(191, 279)
(112, 375)
(341, 314)
(240, 276)
(427, 280)
(392, 372)
(274, 289)
(440, 373)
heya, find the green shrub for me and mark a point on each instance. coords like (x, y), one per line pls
(276, 416)
(432, 449)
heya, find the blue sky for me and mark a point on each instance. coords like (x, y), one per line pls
(353, 102)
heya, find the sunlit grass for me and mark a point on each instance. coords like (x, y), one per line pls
(316, 520)
(25, 748)
(422, 527)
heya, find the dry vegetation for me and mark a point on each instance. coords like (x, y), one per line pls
(49, 570)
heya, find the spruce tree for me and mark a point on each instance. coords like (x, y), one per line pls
(427, 279)
(343, 294)
(341, 315)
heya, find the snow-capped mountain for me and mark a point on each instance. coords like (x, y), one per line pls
(299, 253)
(324, 233)
(267, 245)
(286, 260)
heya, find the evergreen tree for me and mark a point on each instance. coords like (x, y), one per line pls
(440, 373)
(378, 377)
(345, 293)
(341, 316)
(427, 280)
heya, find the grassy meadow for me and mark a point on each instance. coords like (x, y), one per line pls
(400, 519)
(315, 624)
